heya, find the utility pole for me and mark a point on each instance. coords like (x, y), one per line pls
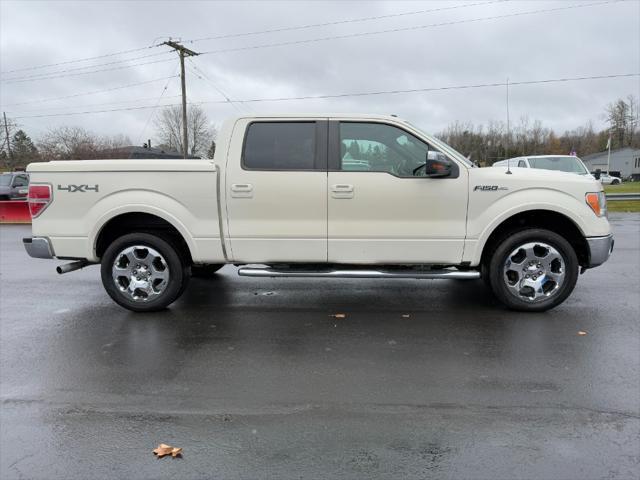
(508, 127)
(6, 132)
(183, 52)
(608, 152)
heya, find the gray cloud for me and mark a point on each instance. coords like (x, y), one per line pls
(595, 40)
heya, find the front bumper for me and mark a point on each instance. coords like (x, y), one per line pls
(600, 249)
(38, 247)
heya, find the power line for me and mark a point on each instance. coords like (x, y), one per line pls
(356, 94)
(36, 67)
(335, 37)
(243, 34)
(205, 77)
(434, 89)
(87, 73)
(340, 22)
(85, 67)
(120, 102)
(406, 29)
(141, 136)
(86, 93)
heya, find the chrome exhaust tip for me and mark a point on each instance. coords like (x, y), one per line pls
(70, 267)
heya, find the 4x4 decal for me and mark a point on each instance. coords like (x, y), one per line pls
(78, 188)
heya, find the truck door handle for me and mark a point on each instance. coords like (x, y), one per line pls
(241, 190)
(342, 190)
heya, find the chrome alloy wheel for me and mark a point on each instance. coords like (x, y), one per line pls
(534, 271)
(140, 273)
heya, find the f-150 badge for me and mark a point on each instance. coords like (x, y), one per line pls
(488, 188)
(78, 188)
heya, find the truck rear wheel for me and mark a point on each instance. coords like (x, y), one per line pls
(143, 272)
(533, 270)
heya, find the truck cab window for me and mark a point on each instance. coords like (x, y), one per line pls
(377, 147)
(20, 181)
(280, 146)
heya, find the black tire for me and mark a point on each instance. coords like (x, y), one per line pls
(206, 271)
(178, 271)
(503, 250)
(615, 182)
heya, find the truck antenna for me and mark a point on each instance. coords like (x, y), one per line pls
(506, 150)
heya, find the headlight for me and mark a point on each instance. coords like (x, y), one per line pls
(598, 203)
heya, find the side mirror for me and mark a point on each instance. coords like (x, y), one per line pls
(440, 167)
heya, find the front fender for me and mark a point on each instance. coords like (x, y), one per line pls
(485, 215)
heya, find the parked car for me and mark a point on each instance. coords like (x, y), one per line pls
(280, 199)
(14, 186)
(562, 163)
(607, 179)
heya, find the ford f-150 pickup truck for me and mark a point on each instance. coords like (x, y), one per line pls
(357, 196)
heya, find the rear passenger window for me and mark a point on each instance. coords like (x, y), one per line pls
(522, 164)
(280, 146)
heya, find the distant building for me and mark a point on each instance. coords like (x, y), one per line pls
(133, 152)
(625, 162)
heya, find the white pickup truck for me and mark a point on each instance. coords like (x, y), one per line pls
(357, 196)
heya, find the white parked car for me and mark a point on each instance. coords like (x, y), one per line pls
(281, 192)
(607, 179)
(562, 163)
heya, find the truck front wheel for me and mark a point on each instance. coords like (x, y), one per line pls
(533, 270)
(143, 272)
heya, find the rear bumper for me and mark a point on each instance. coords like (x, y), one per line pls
(600, 249)
(38, 247)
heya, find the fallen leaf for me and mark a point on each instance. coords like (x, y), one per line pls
(164, 450)
(582, 332)
(338, 315)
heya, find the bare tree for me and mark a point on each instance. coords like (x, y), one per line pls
(76, 143)
(68, 143)
(623, 121)
(200, 131)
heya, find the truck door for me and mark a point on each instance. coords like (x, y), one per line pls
(276, 184)
(382, 209)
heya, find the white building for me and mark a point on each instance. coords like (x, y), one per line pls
(625, 162)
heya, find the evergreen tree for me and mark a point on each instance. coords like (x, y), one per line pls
(22, 149)
(212, 149)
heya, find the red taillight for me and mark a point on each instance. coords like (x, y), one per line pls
(39, 198)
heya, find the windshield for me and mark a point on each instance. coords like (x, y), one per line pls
(563, 164)
(5, 180)
(447, 149)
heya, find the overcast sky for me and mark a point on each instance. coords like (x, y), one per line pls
(589, 41)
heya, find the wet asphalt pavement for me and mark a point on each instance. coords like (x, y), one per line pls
(255, 379)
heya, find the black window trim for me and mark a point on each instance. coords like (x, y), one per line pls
(321, 145)
(334, 150)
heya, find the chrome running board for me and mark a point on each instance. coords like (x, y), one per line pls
(357, 273)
